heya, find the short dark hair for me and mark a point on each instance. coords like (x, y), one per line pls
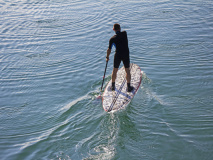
(116, 26)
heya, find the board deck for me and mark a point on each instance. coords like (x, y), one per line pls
(120, 98)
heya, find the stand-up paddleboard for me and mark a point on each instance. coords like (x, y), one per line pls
(120, 98)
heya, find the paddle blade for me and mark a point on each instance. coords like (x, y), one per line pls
(99, 97)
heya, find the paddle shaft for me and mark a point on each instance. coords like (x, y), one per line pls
(104, 75)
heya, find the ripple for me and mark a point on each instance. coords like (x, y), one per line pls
(53, 55)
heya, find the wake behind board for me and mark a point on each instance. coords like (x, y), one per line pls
(120, 98)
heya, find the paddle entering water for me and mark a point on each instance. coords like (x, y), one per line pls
(100, 96)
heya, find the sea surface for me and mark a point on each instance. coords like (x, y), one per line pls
(52, 60)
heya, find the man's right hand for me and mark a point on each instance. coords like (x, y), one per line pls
(107, 59)
(108, 53)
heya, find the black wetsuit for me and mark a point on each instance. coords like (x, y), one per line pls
(120, 42)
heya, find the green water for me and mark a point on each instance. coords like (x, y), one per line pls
(52, 59)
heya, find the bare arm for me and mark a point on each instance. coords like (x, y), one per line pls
(108, 53)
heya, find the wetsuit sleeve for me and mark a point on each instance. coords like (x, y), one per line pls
(126, 37)
(125, 34)
(112, 43)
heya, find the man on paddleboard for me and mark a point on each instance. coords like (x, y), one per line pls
(120, 41)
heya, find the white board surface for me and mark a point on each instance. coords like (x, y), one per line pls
(120, 98)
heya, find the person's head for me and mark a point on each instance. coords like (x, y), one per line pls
(116, 27)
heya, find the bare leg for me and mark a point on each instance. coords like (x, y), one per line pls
(128, 78)
(114, 73)
(128, 75)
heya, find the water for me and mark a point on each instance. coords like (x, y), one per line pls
(52, 59)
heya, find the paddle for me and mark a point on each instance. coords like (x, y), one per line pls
(103, 80)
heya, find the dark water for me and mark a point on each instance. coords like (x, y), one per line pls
(52, 59)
